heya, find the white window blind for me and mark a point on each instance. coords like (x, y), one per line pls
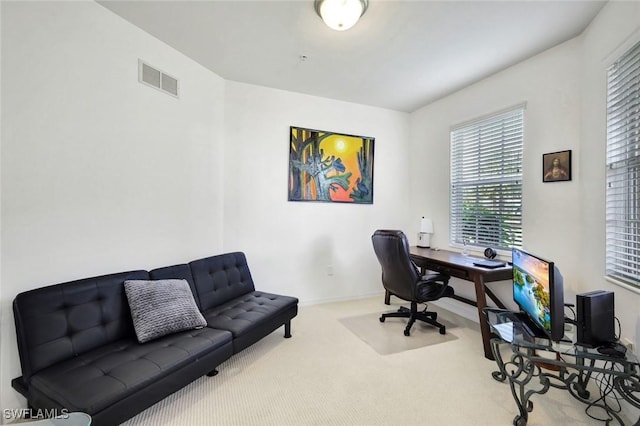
(486, 181)
(623, 168)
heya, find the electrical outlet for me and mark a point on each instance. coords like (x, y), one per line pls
(330, 270)
(628, 343)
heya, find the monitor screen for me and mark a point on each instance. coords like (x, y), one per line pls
(537, 290)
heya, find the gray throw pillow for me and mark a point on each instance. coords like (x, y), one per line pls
(162, 307)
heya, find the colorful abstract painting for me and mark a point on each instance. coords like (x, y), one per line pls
(330, 167)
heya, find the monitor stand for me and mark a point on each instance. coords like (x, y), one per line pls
(530, 327)
(534, 330)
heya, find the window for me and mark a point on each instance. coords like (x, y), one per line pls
(486, 181)
(623, 169)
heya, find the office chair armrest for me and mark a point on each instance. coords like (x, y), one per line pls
(415, 266)
(443, 284)
(432, 275)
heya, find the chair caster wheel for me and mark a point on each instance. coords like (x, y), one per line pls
(443, 330)
(382, 319)
(407, 332)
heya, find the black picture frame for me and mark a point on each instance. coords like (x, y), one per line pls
(556, 166)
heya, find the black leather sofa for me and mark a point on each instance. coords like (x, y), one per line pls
(78, 348)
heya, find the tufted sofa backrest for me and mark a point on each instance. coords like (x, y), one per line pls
(61, 321)
(221, 278)
(181, 272)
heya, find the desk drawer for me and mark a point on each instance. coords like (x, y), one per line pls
(449, 270)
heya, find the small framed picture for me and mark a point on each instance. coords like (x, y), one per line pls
(556, 166)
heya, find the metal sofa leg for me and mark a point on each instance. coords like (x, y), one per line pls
(287, 329)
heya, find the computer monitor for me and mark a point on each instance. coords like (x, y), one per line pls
(538, 292)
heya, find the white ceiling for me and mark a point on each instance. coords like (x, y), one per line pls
(401, 55)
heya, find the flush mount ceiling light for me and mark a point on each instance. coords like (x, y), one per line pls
(340, 15)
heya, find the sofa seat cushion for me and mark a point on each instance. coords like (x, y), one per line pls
(245, 312)
(97, 379)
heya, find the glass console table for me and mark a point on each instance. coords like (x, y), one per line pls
(536, 364)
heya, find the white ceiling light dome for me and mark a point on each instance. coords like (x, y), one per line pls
(340, 15)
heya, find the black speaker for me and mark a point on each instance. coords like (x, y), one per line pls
(595, 318)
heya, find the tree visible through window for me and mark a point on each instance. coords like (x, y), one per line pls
(486, 181)
(623, 169)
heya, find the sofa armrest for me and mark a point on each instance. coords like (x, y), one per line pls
(19, 384)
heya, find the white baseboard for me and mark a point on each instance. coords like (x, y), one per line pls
(341, 299)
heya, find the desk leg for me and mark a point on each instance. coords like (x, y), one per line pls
(501, 374)
(495, 299)
(524, 369)
(387, 297)
(481, 301)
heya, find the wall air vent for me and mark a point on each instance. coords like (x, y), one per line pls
(157, 79)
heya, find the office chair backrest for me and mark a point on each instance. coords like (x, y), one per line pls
(399, 275)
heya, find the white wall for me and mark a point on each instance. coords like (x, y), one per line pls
(614, 30)
(99, 173)
(565, 91)
(548, 83)
(291, 245)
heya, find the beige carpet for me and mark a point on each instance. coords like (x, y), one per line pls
(388, 337)
(326, 376)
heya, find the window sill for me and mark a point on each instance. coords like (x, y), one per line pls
(622, 284)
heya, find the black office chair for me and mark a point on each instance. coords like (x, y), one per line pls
(402, 279)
